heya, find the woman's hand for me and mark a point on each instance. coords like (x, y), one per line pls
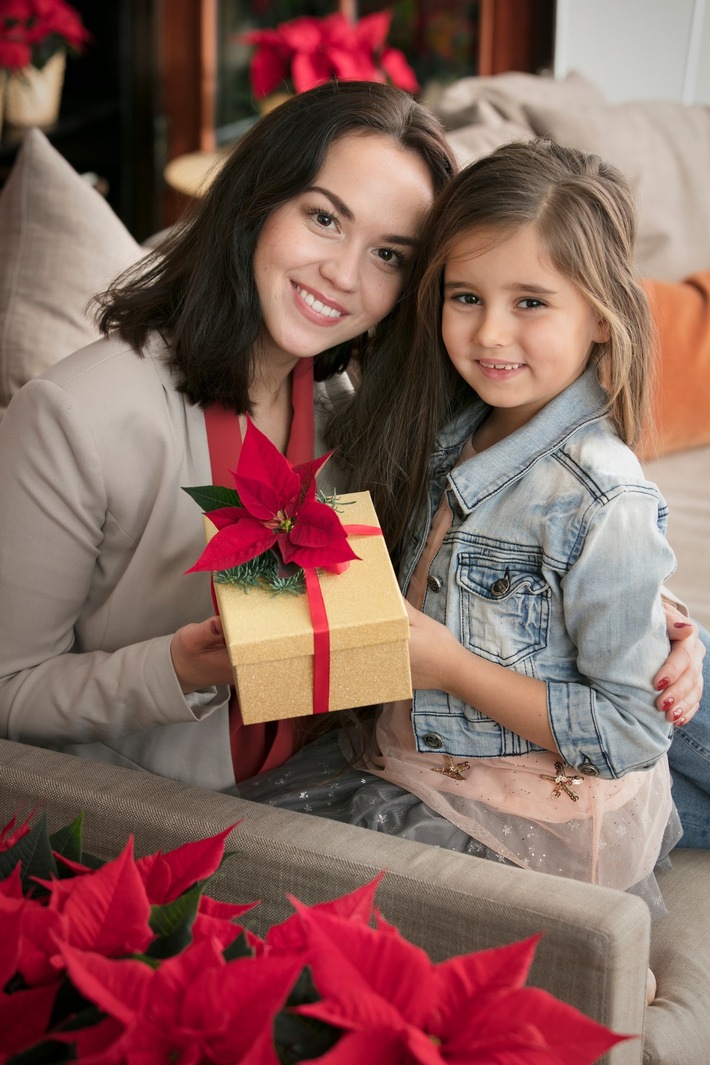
(680, 680)
(200, 657)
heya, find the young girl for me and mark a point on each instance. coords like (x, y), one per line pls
(535, 561)
(535, 556)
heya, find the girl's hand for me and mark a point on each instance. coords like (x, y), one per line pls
(200, 657)
(430, 643)
(680, 680)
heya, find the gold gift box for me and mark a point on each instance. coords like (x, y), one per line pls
(270, 637)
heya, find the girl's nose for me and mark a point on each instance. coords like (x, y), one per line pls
(342, 268)
(492, 329)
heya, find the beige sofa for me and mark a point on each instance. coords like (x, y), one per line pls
(59, 243)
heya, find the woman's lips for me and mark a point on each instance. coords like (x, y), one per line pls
(316, 307)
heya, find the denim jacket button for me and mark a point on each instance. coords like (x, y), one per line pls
(432, 740)
(589, 768)
(501, 586)
(433, 583)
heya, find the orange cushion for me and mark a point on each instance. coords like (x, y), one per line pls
(681, 313)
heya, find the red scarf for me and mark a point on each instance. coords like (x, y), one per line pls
(256, 748)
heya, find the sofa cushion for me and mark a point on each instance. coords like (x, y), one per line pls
(664, 150)
(681, 314)
(61, 243)
(677, 1026)
(460, 104)
(485, 135)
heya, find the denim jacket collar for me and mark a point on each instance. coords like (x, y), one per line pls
(473, 481)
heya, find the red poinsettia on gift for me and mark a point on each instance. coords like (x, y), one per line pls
(305, 52)
(274, 505)
(128, 960)
(31, 31)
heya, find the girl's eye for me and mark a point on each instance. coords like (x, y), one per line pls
(531, 303)
(467, 299)
(391, 257)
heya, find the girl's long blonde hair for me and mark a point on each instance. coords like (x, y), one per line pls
(584, 211)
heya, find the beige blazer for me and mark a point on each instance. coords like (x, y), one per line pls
(95, 538)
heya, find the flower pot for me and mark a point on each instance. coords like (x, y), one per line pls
(33, 96)
(269, 103)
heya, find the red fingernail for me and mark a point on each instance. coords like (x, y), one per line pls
(677, 712)
(681, 721)
(668, 703)
(662, 684)
(681, 624)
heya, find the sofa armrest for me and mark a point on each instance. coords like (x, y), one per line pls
(595, 946)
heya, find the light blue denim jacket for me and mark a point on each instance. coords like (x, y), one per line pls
(553, 566)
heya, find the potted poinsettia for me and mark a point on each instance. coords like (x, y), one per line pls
(35, 36)
(130, 960)
(304, 52)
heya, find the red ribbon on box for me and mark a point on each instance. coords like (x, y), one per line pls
(321, 628)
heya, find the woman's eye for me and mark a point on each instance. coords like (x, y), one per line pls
(391, 257)
(324, 219)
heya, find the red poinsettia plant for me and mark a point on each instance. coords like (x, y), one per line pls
(304, 52)
(31, 31)
(271, 526)
(130, 961)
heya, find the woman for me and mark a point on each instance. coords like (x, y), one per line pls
(106, 648)
(296, 254)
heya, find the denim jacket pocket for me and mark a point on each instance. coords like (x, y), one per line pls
(504, 602)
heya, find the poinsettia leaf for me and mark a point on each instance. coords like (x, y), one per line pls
(497, 968)
(307, 474)
(269, 68)
(574, 1038)
(107, 911)
(66, 842)
(11, 832)
(214, 496)
(266, 480)
(116, 986)
(309, 70)
(41, 928)
(372, 29)
(255, 988)
(227, 911)
(172, 924)
(34, 851)
(167, 874)
(24, 1017)
(318, 525)
(234, 545)
(398, 70)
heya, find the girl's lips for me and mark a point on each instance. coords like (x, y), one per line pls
(499, 371)
(316, 307)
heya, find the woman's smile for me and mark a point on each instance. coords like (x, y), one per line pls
(318, 308)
